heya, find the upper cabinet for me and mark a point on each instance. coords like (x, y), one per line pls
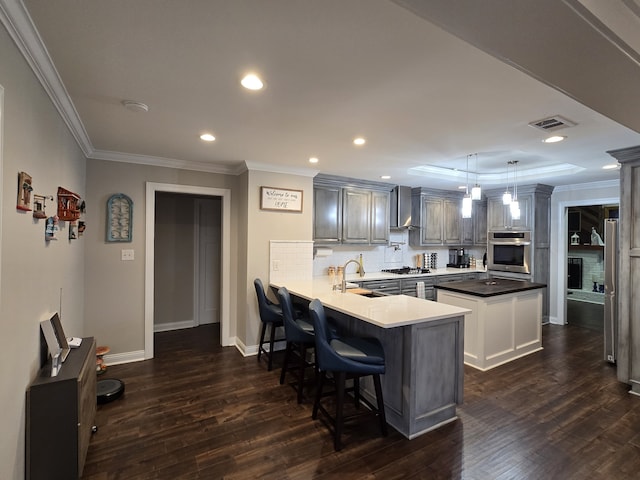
(499, 215)
(440, 219)
(348, 211)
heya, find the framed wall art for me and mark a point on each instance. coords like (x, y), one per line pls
(280, 199)
(119, 218)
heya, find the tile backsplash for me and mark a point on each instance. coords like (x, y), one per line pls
(290, 260)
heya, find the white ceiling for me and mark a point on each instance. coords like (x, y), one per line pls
(336, 69)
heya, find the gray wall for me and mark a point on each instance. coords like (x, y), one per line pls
(32, 272)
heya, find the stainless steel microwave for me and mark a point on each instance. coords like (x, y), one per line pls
(509, 251)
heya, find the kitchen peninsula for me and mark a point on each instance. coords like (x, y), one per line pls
(423, 343)
(506, 319)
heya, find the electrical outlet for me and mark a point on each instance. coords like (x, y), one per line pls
(127, 255)
(275, 265)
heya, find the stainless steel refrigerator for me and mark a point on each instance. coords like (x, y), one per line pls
(610, 290)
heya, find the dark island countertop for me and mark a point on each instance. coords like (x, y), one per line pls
(490, 287)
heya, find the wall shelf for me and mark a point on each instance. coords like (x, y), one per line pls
(586, 247)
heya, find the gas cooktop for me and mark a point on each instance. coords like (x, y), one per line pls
(407, 270)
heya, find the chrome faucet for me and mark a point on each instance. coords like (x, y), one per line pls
(344, 273)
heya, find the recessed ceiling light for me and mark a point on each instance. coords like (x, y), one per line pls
(207, 137)
(252, 82)
(554, 139)
(313, 160)
(611, 166)
(359, 141)
(385, 177)
(135, 106)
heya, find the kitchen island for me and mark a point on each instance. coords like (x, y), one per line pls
(423, 343)
(506, 319)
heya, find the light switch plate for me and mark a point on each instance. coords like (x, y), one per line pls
(127, 255)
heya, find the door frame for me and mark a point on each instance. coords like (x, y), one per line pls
(563, 249)
(225, 277)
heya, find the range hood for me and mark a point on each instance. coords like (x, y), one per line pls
(400, 208)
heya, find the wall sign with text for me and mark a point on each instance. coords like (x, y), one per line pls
(280, 199)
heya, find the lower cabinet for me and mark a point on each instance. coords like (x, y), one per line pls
(410, 287)
(390, 287)
(60, 416)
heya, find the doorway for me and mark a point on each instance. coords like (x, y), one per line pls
(225, 249)
(186, 260)
(584, 299)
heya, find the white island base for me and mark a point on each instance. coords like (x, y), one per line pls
(500, 328)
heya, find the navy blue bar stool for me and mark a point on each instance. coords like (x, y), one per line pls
(345, 357)
(300, 337)
(270, 314)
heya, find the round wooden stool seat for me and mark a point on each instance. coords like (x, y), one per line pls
(109, 389)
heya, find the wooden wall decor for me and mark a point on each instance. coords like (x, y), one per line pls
(68, 205)
(24, 191)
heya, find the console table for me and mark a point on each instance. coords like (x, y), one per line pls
(60, 416)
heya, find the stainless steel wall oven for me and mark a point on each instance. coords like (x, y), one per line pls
(509, 251)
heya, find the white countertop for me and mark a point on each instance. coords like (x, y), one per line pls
(386, 312)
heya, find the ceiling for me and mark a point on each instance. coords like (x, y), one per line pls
(426, 83)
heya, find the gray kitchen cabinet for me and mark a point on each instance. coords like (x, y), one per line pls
(350, 211)
(327, 214)
(452, 221)
(499, 215)
(480, 223)
(409, 287)
(379, 217)
(535, 216)
(440, 219)
(356, 215)
(391, 287)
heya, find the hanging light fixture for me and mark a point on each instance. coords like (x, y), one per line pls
(467, 203)
(506, 196)
(515, 205)
(476, 191)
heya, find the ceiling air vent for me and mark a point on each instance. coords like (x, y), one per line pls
(551, 124)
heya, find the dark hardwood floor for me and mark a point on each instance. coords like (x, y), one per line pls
(199, 411)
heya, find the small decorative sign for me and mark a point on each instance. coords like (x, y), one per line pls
(280, 199)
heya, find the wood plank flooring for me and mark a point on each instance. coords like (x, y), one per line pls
(200, 411)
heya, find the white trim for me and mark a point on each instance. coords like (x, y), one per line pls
(225, 295)
(126, 357)
(587, 186)
(169, 326)
(561, 245)
(20, 27)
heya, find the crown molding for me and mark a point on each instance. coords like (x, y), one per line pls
(16, 19)
(122, 157)
(265, 167)
(587, 186)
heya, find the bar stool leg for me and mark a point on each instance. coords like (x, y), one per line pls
(262, 332)
(340, 381)
(271, 344)
(303, 363)
(285, 362)
(316, 403)
(356, 391)
(381, 414)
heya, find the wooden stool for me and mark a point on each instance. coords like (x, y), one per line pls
(100, 365)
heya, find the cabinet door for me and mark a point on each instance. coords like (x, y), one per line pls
(379, 217)
(452, 222)
(432, 216)
(525, 221)
(496, 214)
(327, 214)
(356, 219)
(480, 224)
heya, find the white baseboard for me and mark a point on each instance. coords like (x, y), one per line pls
(165, 327)
(128, 357)
(248, 351)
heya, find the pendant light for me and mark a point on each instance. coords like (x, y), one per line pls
(506, 196)
(476, 191)
(467, 203)
(515, 205)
